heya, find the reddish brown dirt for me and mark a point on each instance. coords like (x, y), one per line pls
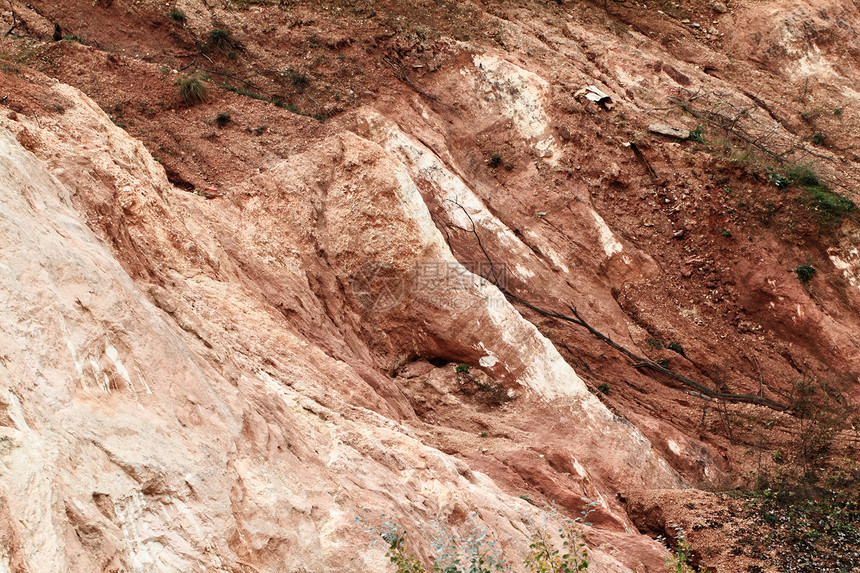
(716, 243)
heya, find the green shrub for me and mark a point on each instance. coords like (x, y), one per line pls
(192, 89)
(545, 557)
(177, 16)
(676, 347)
(221, 39)
(833, 205)
(805, 272)
(475, 551)
(779, 181)
(494, 160)
(679, 560)
(802, 175)
(298, 79)
(404, 562)
(462, 369)
(222, 119)
(725, 232)
(603, 388)
(697, 134)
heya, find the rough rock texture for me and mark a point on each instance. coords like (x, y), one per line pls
(186, 424)
(222, 341)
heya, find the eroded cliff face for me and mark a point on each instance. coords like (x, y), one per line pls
(185, 422)
(225, 379)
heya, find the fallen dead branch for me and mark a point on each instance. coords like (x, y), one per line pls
(636, 360)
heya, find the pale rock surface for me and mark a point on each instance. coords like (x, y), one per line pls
(178, 422)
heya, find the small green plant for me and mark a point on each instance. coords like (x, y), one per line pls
(222, 119)
(805, 272)
(494, 160)
(404, 561)
(674, 346)
(725, 232)
(192, 89)
(779, 181)
(655, 343)
(697, 134)
(260, 130)
(837, 111)
(778, 456)
(462, 369)
(72, 38)
(603, 388)
(484, 434)
(177, 16)
(833, 205)
(476, 552)
(817, 138)
(298, 79)
(526, 497)
(802, 175)
(679, 560)
(221, 39)
(545, 557)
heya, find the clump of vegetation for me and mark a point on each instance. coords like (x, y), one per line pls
(476, 552)
(222, 40)
(177, 16)
(192, 89)
(810, 505)
(805, 272)
(725, 232)
(831, 206)
(462, 369)
(494, 160)
(817, 138)
(698, 134)
(298, 79)
(404, 561)
(778, 456)
(603, 388)
(779, 181)
(544, 556)
(679, 560)
(674, 346)
(222, 119)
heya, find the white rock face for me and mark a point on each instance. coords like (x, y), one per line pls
(178, 421)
